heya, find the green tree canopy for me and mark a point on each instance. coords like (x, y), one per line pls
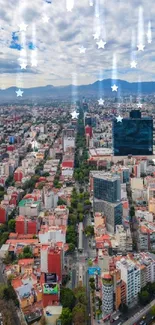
(144, 297)
(67, 298)
(11, 225)
(79, 314)
(153, 311)
(71, 247)
(66, 316)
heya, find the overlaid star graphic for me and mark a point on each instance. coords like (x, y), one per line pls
(23, 65)
(133, 64)
(91, 3)
(101, 101)
(140, 47)
(96, 35)
(97, 15)
(149, 41)
(119, 118)
(82, 49)
(139, 105)
(75, 115)
(19, 93)
(101, 44)
(33, 63)
(114, 88)
(45, 19)
(23, 27)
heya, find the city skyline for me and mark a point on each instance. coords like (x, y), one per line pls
(75, 42)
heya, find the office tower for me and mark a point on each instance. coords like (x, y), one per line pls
(107, 187)
(112, 211)
(134, 135)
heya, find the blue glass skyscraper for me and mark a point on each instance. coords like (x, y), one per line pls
(134, 135)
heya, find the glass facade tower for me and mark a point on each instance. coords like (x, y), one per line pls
(107, 188)
(134, 135)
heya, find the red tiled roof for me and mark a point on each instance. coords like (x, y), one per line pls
(67, 164)
(26, 261)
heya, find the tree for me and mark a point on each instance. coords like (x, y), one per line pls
(67, 298)
(71, 247)
(123, 308)
(79, 314)
(144, 297)
(89, 231)
(153, 311)
(132, 211)
(80, 294)
(80, 208)
(61, 202)
(66, 316)
(11, 225)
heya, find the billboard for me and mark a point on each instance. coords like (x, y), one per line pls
(50, 277)
(50, 288)
(94, 270)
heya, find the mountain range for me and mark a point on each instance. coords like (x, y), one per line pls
(96, 89)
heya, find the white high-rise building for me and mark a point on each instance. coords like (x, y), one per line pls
(130, 274)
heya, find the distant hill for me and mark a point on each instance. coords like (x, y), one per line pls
(99, 87)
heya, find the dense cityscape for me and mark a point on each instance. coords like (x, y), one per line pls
(77, 162)
(77, 230)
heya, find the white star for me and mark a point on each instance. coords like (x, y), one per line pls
(23, 27)
(45, 19)
(100, 101)
(140, 47)
(23, 65)
(149, 40)
(34, 63)
(133, 64)
(119, 118)
(75, 115)
(96, 35)
(82, 49)
(139, 105)
(19, 93)
(114, 88)
(97, 15)
(91, 3)
(101, 44)
(69, 5)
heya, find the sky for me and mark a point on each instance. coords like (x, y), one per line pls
(51, 49)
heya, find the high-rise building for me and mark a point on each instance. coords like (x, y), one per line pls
(134, 135)
(107, 294)
(113, 213)
(130, 274)
(107, 187)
